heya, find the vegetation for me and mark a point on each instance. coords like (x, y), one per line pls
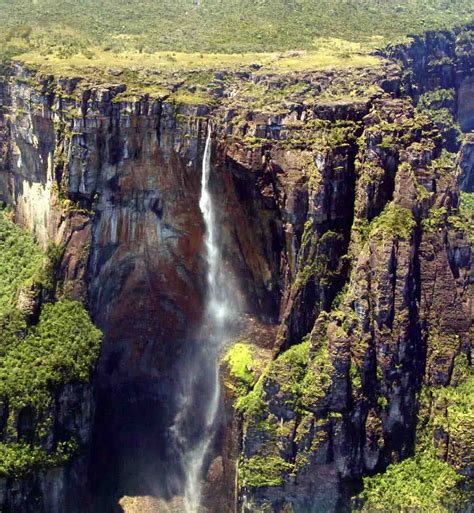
(440, 106)
(18, 459)
(260, 471)
(36, 360)
(433, 480)
(147, 26)
(423, 483)
(61, 349)
(449, 411)
(188, 77)
(20, 260)
(138, 41)
(394, 221)
(467, 202)
(277, 409)
(463, 217)
(240, 361)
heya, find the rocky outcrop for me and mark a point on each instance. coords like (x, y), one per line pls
(56, 489)
(440, 61)
(342, 402)
(466, 164)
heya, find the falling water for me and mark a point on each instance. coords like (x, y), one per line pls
(202, 389)
(218, 298)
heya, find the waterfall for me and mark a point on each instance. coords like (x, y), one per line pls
(218, 297)
(201, 394)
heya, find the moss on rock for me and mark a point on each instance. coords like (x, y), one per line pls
(422, 483)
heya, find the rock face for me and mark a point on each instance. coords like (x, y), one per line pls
(440, 61)
(466, 164)
(343, 403)
(340, 220)
(53, 490)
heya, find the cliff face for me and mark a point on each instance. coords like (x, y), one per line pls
(440, 61)
(54, 489)
(340, 219)
(344, 402)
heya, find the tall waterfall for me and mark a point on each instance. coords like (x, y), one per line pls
(196, 423)
(219, 302)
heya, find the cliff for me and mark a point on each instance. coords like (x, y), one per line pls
(341, 220)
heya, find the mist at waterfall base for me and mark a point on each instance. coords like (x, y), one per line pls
(193, 433)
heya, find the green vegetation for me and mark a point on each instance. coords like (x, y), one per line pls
(240, 361)
(153, 73)
(318, 376)
(394, 221)
(463, 217)
(467, 202)
(21, 260)
(423, 483)
(294, 382)
(147, 26)
(440, 106)
(144, 43)
(37, 360)
(452, 413)
(289, 369)
(432, 480)
(61, 349)
(18, 459)
(260, 471)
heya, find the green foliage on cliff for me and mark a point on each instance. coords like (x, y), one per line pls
(302, 373)
(394, 221)
(440, 106)
(260, 471)
(61, 349)
(19, 459)
(423, 483)
(36, 360)
(289, 369)
(240, 362)
(447, 413)
(432, 480)
(467, 202)
(35, 363)
(20, 260)
(275, 410)
(463, 217)
(67, 28)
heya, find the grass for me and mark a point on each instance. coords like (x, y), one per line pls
(152, 73)
(176, 36)
(183, 25)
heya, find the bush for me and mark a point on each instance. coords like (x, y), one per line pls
(422, 484)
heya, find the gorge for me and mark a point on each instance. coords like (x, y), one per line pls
(280, 264)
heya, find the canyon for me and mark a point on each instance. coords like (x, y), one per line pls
(343, 234)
